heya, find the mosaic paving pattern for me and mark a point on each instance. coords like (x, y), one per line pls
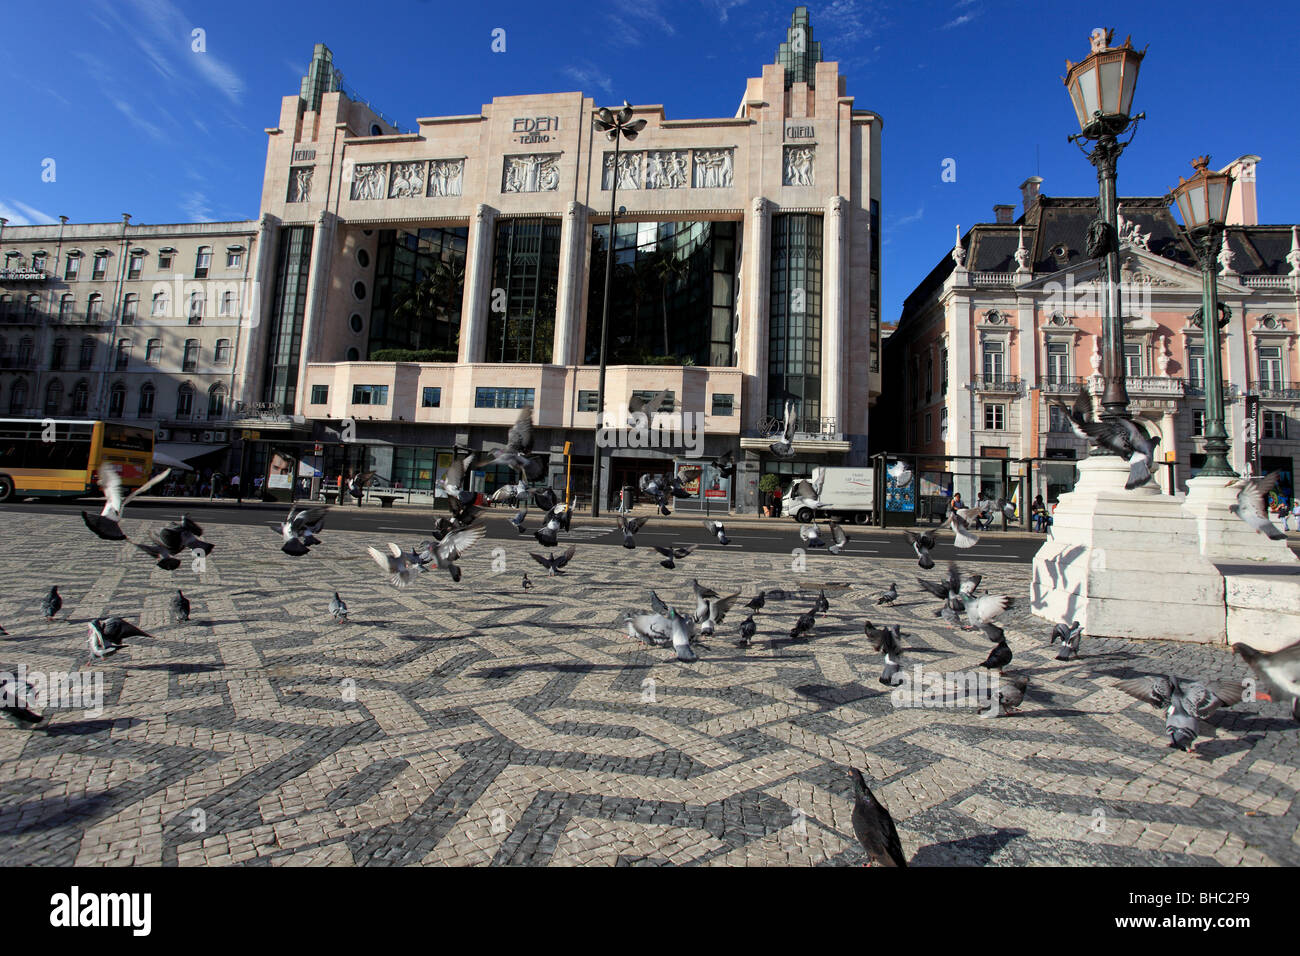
(477, 724)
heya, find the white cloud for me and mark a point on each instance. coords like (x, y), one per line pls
(623, 30)
(139, 121)
(909, 219)
(21, 214)
(960, 21)
(587, 76)
(724, 7)
(197, 207)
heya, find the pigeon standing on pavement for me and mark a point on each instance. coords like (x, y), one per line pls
(108, 636)
(1252, 505)
(338, 609)
(1280, 668)
(106, 523)
(1071, 636)
(18, 702)
(757, 601)
(821, 605)
(51, 604)
(922, 544)
(1010, 693)
(887, 641)
(873, 825)
(716, 529)
(180, 607)
(747, 631)
(889, 597)
(526, 584)
(1187, 704)
(629, 527)
(554, 562)
(803, 626)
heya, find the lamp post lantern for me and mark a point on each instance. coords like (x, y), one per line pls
(616, 126)
(1101, 89)
(1203, 203)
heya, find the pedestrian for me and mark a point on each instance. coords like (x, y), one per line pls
(956, 503)
(1038, 514)
(1295, 514)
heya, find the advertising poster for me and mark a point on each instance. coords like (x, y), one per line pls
(281, 473)
(1250, 435)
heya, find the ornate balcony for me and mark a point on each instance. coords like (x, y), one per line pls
(992, 278)
(1279, 394)
(1000, 384)
(1152, 385)
(1062, 384)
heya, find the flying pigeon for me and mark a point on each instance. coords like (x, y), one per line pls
(106, 523)
(1010, 694)
(299, 530)
(51, 603)
(838, 538)
(980, 612)
(518, 519)
(1280, 668)
(808, 493)
(358, 482)
(519, 446)
(716, 609)
(553, 562)
(702, 595)
(889, 597)
(158, 551)
(654, 629)
(960, 521)
(757, 601)
(656, 486)
(453, 482)
(873, 825)
(1252, 505)
(889, 642)
(671, 555)
(747, 631)
(180, 607)
(1070, 635)
(554, 522)
(922, 544)
(338, 609)
(108, 635)
(1123, 437)
(783, 447)
(18, 701)
(445, 553)
(629, 527)
(402, 568)
(462, 515)
(811, 535)
(1187, 704)
(644, 409)
(716, 529)
(725, 464)
(510, 494)
(900, 474)
(999, 657)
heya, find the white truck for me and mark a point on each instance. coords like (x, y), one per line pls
(847, 494)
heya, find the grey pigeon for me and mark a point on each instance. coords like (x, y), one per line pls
(644, 409)
(673, 555)
(838, 538)
(657, 487)
(106, 523)
(1252, 505)
(554, 562)
(757, 601)
(715, 612)
(338, 608)
(783, 447)
(445, 553)
(1187, 704)
(108, 635)
(452, 484)
(519, 446)
(184, 535)
(804, 626)
(999, 657)
(1280, 668)
(682, 632)
(821, 605)
(1070, 635)
(526, 584)
(716, 529)
(358, 482)
(873, 826)
(18, 701)
(1122, 436)
(922, 544)
(811, 536)
(887, 641)
(462, 515)
(402, 567)
(960, 521)
(556, 520)
(889, 597)
(1010, 689)
(158, 551)
(702, 595)
(629, 527)
(51, 604)
(518, 519)
(747, 631)
(298, 531)
(725, 463)
(981, 610)
(180, 607)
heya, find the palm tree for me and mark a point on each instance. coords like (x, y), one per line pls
(671, 271)
(431, 299)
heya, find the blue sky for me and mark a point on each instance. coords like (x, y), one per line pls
(137, 122)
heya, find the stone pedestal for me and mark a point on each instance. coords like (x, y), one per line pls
(1127, 563)
(1225, 537)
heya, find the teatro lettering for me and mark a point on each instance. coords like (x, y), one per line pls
(534, 129)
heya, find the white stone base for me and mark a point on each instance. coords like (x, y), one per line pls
(1127, 563)
(1263, 604)
(1224, 536)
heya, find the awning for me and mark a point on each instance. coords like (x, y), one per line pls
(184, 451)
(163, 460)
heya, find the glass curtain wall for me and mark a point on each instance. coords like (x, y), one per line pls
(673, 294)
(794, 361)
(285, 338)
(527, 267)
(419, 289)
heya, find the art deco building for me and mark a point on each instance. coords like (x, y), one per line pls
(136, 323)
(1007, 325)
(424, 284)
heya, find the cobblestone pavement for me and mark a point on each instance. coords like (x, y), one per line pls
(476, 723)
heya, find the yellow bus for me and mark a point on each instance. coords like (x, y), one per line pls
(60, 457)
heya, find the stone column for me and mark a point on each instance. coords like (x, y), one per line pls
(318, 283)
(835, 304)
(257, 306)
(1168, 445)
(754, 320)
(478, 285)
(568, 320)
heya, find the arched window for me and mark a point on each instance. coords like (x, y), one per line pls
(227, 303)
(6, 303)
(202, 261)
(5, 358)
(160, 303)
(33, 305)
(196, 308)
(184, 401)
(216, 401)
(153, 351)
(18, 397)
(66, 302)
(221, 354)
(53, 398)
(123, 358)
(116, 400)
(58, 354)
(130, 305)
(80, 397)
(147, 393)
(25, 346)
(94, 306)
(87, 357)
(190, 360)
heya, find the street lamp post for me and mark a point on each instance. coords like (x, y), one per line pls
(615, 126)
(1203, 203)
(1101, 88)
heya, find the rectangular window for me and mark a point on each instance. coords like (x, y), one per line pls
(1196, 366)
(369, 394)
(1058, 363)
(1057, 420)
(1198, 422)
(431, 397)
(320, 394)
(221, 354)
(1270, 366)
(994, 359)
(202, 261)
(1133, 359)
(100, 266)
(74, 266)
(794, 351)
(489, 397)
(190, 359)
(995, 417)
(164, 261)
(234, 259)
(1273, 425)
(929, 427)
(587, 400)
(943, 367)
(724, 403)
(526, 268)
(135, 267)
(153, 351)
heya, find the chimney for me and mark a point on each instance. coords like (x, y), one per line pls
(1029, 192)
(1241, 204)
(1003, 213)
